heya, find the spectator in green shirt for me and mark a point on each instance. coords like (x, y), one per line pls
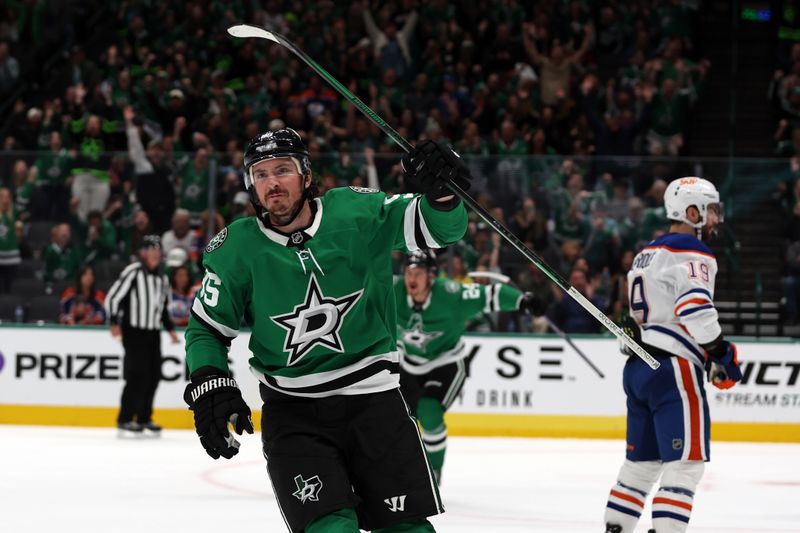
(194, 183)
(61, 259)
(97, 237)
(52, 181)
(9, 247)
(509, 173)
(669, 117)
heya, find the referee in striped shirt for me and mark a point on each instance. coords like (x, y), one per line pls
(137, 306)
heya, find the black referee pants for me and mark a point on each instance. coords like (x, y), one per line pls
(142, 372)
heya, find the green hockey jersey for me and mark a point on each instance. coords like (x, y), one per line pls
(429, 335)
(319, 301)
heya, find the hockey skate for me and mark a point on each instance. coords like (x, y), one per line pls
(151, 429)
(127, 430)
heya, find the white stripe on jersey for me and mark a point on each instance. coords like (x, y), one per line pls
(153, 302)
(429, 240)
(488, 296)
(380, 381)
(145, 301)
(134, 310)
(224, 330)
(119, 289)
(321, 378)
(414, 364)
(409, 225)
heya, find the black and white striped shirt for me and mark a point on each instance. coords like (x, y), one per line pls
(139, 299)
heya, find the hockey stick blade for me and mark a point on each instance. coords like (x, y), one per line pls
(502, 278)
(243, 31)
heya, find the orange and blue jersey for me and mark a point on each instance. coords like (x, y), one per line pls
(671, 295)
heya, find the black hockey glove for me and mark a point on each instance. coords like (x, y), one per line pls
(217, 401)
(529, 304)
(632, 330)
(722, 364)
(430, 165)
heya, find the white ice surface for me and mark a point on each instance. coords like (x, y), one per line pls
(70, 480)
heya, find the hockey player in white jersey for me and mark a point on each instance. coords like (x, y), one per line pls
(671, 293)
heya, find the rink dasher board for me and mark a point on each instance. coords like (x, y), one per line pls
(518, 385)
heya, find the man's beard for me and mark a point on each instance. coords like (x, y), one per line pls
(284, 218)
(710, 235)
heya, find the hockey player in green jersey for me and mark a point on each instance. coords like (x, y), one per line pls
(431, 318)
(312, 279)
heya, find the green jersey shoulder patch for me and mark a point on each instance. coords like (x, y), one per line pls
(217, 241)
(452, 286)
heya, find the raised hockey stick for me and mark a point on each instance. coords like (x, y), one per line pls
(560, 332)
(245, 31)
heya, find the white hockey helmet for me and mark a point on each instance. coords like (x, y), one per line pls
(691, 191)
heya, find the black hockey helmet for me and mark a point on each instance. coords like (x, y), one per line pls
(284, 142)
(274, 144)
(422, 259)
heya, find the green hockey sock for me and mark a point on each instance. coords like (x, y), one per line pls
(422, 526)
(341, 521)
(434, 431)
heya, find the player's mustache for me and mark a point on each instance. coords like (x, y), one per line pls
(275, 191)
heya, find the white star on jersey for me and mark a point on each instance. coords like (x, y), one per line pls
(315, 321)
(415, 336)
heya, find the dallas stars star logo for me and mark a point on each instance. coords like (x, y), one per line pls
(415, 336)
(307, 489)
(315, 321)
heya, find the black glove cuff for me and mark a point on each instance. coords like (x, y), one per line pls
(206, 386)
(449, 205)
(717, 348)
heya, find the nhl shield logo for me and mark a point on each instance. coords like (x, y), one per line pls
(217, 241)
(297, 237)
(677, 444)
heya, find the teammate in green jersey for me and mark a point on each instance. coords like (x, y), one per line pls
(312, 278)
(431, 318)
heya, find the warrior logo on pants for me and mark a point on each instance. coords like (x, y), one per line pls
(307, 489)
(396, 503)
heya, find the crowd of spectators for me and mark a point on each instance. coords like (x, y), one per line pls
(784, 92)
(146, 136)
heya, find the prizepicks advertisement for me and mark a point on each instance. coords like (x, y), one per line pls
(533, 375)
(83, 367)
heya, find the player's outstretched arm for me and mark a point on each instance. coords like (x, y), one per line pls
(428, 168)
(494, 297)
(437, 218)
(430, 216)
